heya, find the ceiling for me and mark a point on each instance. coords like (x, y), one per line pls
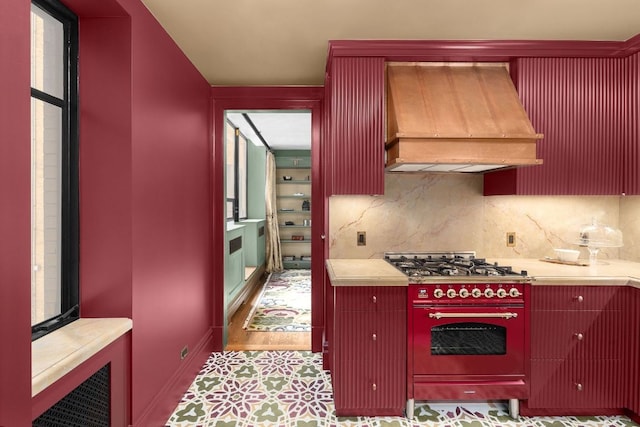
(285, 42)
(282, 130)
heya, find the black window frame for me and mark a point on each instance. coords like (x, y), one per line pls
(235, 201)
(70, 303)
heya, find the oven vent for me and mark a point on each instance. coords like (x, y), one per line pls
(87, 405)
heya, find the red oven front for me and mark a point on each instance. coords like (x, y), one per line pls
(468, 341)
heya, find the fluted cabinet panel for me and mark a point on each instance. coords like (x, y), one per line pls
(632, 158)
(633, 362)
(356, 158)
(579, 104)
(369, 350)
(589, 384)
(579, 347)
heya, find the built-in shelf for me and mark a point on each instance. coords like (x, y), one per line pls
(292, 194)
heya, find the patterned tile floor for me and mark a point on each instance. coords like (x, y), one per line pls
(290, 389)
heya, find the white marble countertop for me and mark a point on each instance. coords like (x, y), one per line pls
(613, 272)
(59, 352)
(378, 272)
(364, 272)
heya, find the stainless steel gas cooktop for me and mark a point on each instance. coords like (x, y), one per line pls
(424, 267)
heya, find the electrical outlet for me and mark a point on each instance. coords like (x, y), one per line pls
(511, 239)
(183, 352)
(362, 238)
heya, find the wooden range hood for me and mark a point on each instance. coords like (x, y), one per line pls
(456, 117)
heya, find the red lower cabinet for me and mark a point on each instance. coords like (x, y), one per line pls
(579, 347)
(633, 360)
(574, 384)
(368, 370)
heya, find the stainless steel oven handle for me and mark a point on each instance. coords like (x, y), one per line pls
(438, 315)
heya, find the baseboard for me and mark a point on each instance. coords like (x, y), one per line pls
(162, 405)
(251, 283)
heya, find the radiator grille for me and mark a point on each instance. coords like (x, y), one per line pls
(86, 406)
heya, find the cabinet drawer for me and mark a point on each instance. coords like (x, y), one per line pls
(577, 335)
(576, 298)
(576, 384)
(362, 388)
(371, 335)
(370, 298)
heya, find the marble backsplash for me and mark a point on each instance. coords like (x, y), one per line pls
(447, 212)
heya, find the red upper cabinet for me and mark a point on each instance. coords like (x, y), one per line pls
(356, 125)
(583, 108)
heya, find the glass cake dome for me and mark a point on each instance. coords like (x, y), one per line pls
(596, 235)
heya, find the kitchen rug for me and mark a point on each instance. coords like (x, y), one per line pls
(284, 304)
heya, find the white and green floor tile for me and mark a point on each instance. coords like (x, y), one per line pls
(290, 389)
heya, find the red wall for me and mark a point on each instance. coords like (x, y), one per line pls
(145, 205)
(15, 223)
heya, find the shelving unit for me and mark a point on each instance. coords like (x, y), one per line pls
(294, 208)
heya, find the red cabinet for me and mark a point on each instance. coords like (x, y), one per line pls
(585, 109)
(579, 338)
(369, 345)
(356, 125)
(633, 360)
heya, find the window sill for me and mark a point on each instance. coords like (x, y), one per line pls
(58, 353)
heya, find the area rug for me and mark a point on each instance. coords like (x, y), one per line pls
(284, 304)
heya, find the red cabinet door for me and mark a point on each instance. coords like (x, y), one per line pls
(579, 342)
(632, 320)
(573, 384)
(355, 158)
(577, 160)
(369, 343)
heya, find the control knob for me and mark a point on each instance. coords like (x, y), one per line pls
(488, 293)
(501, 293)
(476, 293)
(438, 293)
(514, 293)
(463, 293)
(451, 293)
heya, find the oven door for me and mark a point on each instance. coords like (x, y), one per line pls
(468, 340)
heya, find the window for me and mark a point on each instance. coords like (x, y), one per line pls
(236, 147)
(54, 167)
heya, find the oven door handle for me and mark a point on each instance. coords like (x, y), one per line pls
(439, 315)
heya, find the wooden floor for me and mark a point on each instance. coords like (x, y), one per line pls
(240, 339)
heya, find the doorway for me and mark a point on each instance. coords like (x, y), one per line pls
(266, 98)
(268, 161)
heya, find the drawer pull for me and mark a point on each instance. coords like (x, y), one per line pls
(579, 336)
(374, 299)
(374, 337)
(374, 387)
(579, 298)
(579, 387)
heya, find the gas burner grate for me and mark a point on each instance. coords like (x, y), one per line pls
(439, 264)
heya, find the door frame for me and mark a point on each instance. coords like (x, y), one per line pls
(267, 98)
